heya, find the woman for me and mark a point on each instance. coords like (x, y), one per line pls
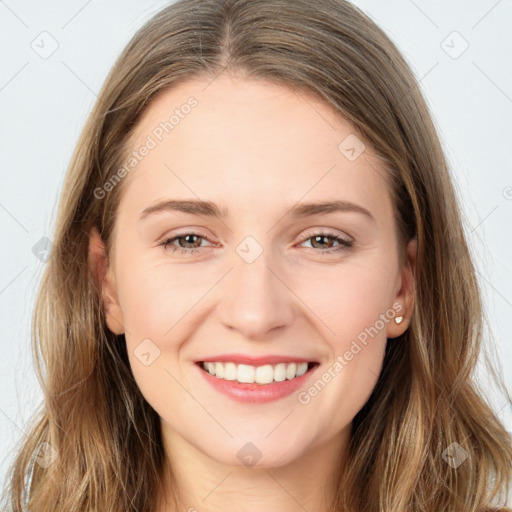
(203, 348)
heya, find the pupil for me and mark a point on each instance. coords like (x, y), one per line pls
(188, 238)
(320, 237)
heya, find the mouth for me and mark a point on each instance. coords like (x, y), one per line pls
(262, 375)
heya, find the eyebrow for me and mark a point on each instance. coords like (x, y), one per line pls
(210, 209)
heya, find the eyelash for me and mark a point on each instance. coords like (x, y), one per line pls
(344, 244)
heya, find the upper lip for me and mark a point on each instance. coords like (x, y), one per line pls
(255, 361)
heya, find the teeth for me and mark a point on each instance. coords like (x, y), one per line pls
(302, 369)
(256, 374)
(280, 372)
(219, 370)
(291, 371)
(244, 373)
(230, 371)
(264, 374)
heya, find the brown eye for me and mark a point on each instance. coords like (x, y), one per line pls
(186, 242)
(190, 241)
(328, 242)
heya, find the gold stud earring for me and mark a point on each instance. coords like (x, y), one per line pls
(398, 320)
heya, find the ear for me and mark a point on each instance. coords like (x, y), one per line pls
(104, 278)
(405, 296)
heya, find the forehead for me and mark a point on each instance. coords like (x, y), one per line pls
(246, 139)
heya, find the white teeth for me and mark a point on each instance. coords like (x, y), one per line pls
(291, 371)
(302, 369)
(244, 373)
(265, 374)
(230, 371)
(280, 372)
(219, 370)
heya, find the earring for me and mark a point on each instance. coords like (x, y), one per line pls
(398, 320)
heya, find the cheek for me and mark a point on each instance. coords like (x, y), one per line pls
(347, 299)
(155, 299)
(353, 307)
(162, 305)
(155, 307)
(340, 390)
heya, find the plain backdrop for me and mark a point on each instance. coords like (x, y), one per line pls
(55, 55)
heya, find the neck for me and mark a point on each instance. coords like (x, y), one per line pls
(202, 484)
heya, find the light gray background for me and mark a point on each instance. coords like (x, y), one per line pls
(44, 102)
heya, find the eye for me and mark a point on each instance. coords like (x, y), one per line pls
(191, 242)
(329, 239)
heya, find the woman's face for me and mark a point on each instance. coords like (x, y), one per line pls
(266, 277)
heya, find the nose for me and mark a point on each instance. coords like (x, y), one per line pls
(255, 299)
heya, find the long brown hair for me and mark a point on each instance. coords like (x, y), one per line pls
(103, 439)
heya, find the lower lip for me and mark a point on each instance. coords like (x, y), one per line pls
(255, 393)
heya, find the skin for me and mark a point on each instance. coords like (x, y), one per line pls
(256, 148)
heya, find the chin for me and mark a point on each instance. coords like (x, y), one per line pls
(260, 453)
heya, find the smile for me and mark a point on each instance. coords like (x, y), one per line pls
(266, 374)
(256, 384)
